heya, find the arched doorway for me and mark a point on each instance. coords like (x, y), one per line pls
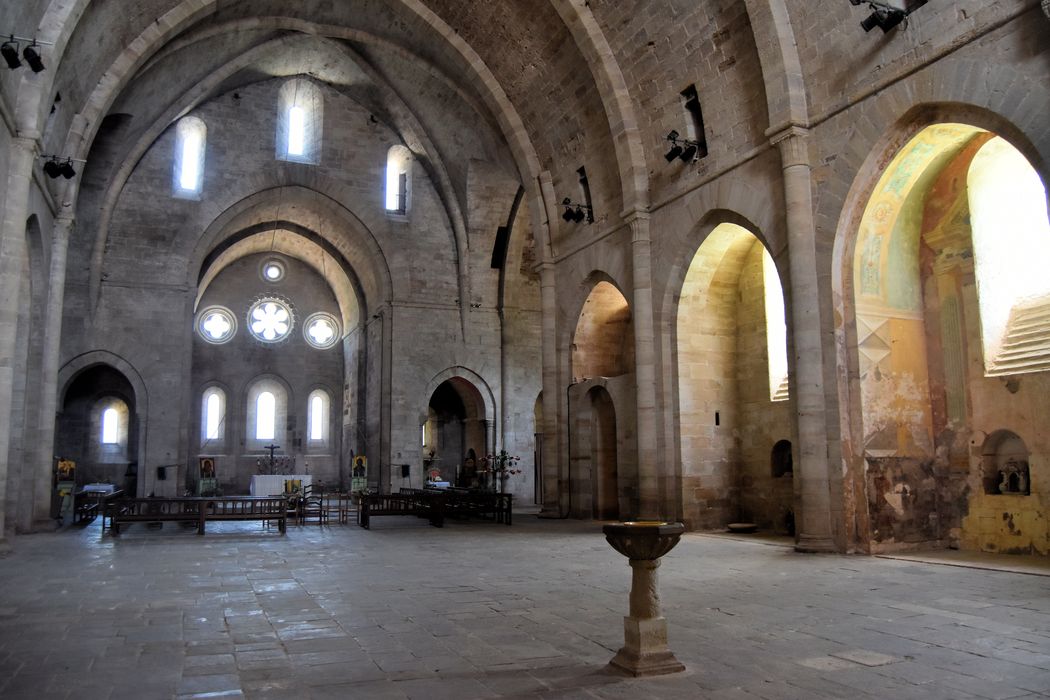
(456, 434)
(733, 397)
(950, 342)
(604, 477)
(98, 428)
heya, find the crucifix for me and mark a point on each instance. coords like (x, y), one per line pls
(272, 448)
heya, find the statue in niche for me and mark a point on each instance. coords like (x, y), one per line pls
(1013, 477)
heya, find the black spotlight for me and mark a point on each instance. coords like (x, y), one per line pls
(32, 57)
(568, 215)
(675, 151)
(688, 154)
(578, 215)
(66, 169)
(52, 169)
(10, 53)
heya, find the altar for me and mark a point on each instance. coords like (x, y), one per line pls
(273, 484)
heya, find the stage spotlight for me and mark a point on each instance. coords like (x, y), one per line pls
(675, 151)
(10, 54)
(568, 215)
(32, 57)
(688, 154)
(578, 215)
(52, 169)
(66, 169)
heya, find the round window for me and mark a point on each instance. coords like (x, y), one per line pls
(321, 330)
(272, 270)
(216, 324)
(270, 320)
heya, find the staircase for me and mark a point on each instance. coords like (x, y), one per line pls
(781, 394)
(1026, 347)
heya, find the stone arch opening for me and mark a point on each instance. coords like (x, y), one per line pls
(726, 407)
(455, 434)
(923, 370)
(1005, 469)
(603, 344)
(80, 434)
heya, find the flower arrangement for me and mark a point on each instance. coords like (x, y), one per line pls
(501, 465)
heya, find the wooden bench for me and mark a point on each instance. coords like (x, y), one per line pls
(431, 508)
(196, 510)
(462, 503)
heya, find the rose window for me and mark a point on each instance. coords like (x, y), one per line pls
(270, 320)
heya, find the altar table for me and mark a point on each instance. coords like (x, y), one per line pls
(273, 484)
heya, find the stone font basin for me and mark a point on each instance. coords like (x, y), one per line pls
(643, 539)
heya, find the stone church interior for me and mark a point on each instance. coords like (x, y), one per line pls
(774, 264)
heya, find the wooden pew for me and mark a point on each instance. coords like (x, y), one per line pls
(422, 506)
(196, 510)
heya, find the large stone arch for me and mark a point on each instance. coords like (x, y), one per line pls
(903, 131)
(469, 376)
(415, 132)
(781, 67)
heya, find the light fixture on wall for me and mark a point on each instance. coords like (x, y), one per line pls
(686, 150)
(31, 53)
(57, 166)
(887, 14)
(575, 212)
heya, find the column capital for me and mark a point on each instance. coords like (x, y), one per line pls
(638, 220)
(793, 143)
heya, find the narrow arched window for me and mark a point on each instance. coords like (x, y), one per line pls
(265, 416)
(214, 414)
(776, 329)
(1011, 250)
(398, 160)
(188, 175)
(318, 417)
(110, 426)
(300, 111)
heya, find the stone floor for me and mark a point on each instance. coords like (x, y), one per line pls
(484, 611)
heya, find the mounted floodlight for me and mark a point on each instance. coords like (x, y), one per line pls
(31, 53)
(9, 50)
(684, 149)
(57, 166)
(66, 169)
(576, 212)
(887, 14)
(52, 169)
(32, 57)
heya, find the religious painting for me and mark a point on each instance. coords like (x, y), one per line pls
(359, 474)
(293, 485)
(66, 470)
(207, 467)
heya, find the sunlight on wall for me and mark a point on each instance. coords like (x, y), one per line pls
(776, 328)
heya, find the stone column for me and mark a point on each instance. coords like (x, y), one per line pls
(649, 504)
(23, 151)
(551, 392)
(812, 470)
(45, 437)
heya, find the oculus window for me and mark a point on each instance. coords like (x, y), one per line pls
(216, 324)
(321, 330)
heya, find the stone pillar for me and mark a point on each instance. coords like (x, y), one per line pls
(812, 470)
(551, 393)
(649, 504)
(45, 436)
(23, 152)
